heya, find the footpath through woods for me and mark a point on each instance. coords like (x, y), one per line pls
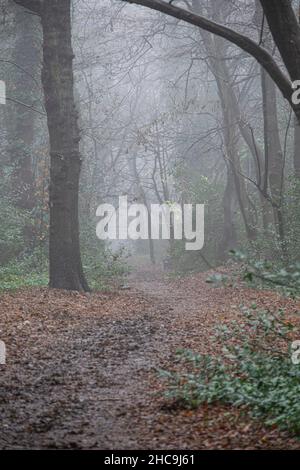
(81, 369)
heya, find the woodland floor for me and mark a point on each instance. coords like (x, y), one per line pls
(81, 368)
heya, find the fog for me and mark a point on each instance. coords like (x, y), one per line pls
(168, 113)
(146, 142)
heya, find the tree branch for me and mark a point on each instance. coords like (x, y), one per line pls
(259, 53)
(33, 5)
(28, 106)
(285, 30)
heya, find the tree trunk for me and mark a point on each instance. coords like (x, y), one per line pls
(229, 235)
(285, 30)
(142, 196)
(20, 119)
(216, 50)
(57, 77)
(297, 132)
(296, 147)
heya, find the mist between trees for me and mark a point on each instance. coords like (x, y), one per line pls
(189, 104)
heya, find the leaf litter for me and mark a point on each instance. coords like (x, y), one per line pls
(81, 369)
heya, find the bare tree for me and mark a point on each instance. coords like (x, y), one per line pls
(285, 31)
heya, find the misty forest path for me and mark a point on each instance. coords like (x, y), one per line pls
(82, 368)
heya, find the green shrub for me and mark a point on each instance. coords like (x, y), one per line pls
(28, 271)
(101, 264)
(255, 372)
(12, 222)
(268, 274)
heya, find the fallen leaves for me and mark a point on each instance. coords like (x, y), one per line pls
(81, 368)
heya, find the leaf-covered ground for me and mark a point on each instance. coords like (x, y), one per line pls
(81, 368)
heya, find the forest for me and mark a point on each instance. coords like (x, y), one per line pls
(150, 226)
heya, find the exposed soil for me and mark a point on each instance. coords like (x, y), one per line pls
(81, 369)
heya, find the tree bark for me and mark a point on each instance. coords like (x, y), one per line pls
(284, 26)
(65, 268)
(57, 77)
(285, 30)
(296, 148)
(229, 236)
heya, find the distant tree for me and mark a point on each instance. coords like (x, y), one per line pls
(285, 30)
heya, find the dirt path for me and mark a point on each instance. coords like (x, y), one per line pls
(81, 369)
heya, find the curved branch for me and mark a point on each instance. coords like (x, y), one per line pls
(259, 53)
(5, 61)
